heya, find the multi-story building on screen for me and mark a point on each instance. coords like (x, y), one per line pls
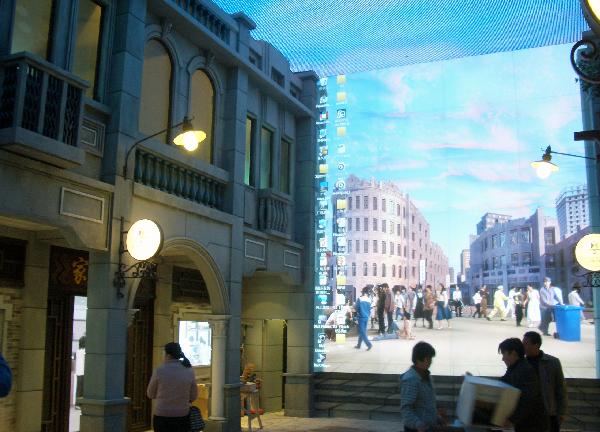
(388, 238)
(572, 210)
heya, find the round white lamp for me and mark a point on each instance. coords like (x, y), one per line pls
(144, 239)
(587, 252)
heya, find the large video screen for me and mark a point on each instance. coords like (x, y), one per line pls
(424, 180)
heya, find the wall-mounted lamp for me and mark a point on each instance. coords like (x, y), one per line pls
(545, 167)
(143, 241)
(189, 139)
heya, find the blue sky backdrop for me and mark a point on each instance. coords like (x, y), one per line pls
(459, 135)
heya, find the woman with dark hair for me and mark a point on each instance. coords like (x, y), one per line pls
(443, 311)
(173, 385)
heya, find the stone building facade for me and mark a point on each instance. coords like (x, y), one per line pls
(388, 238)
(82, 83)
(572, 210)
(512, 253)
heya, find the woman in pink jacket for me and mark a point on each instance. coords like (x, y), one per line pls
(173, 386)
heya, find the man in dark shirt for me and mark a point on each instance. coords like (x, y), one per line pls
(551, 378)
(530, 414)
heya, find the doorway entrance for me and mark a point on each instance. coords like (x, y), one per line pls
(139, 358)
(65, 332)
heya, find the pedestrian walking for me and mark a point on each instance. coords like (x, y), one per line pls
(534, 314)
(173, 386)
(457, 299)
(363, 312)
(381, 295)
(419, 307)
(517, 298)
(499, 307)
(510, 303)
(552, 379)
(575, 299)
(417, 392)
(429, 305)
(477, 303)
(389, 307)
(484, 301)
(443, 311)
(530, 413)
(547, 301)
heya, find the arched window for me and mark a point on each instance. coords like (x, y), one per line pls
(365, 269)
(202, 106)
(155, 100)
(393, 270)
(353, 269)
(374, 269)
(383, 269)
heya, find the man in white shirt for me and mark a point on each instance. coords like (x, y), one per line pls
(457, 300)
(477, 303)
(510, 304)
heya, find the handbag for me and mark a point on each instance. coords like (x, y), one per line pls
(196, 420)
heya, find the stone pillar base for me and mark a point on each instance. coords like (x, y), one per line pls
(298, 395)
(216, 424)
(103, 415)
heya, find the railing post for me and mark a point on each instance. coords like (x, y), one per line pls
(20, 91)
(61, 111)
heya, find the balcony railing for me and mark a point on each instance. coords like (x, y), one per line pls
(273, 211)
(177, 179)
(36, 96)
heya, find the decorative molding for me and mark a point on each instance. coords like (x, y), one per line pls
(166, 28)
(64, 201)
(218, 327)
(209, 57)
(254, 256)
(295, 264)
(92, 135)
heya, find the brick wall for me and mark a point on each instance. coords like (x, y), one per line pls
(10, 303)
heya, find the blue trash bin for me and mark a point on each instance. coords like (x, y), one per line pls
(568, 322)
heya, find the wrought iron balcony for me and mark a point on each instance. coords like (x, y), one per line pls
(40, 110)
(273, 211)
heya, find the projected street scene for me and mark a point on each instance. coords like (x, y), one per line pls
(431, 223)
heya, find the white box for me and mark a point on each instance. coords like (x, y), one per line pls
(486, 401)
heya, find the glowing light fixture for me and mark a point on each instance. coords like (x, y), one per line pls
(587, 252)
(189, 139)
(144, 239)
(545, 167)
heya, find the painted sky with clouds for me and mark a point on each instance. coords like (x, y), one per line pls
(459, 135)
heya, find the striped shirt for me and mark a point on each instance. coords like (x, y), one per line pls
(417, 403)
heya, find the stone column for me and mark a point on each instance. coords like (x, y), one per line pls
(219, 346)
(104, 406)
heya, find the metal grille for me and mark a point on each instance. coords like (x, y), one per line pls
(52, 111)
(139, 358)
(71, 116)
(8, 97)
(57, 367)
(33, 91)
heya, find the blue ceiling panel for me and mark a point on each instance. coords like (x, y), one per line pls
(343, 36)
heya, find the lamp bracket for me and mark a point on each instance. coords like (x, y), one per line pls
(587, 65)
(139, 270)
(592, 277)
